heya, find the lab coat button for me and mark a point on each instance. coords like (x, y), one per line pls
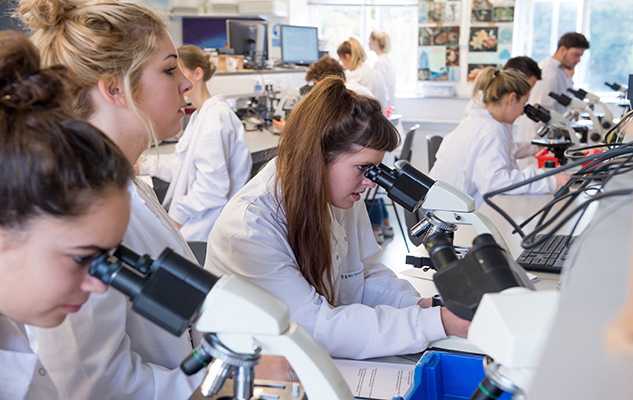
(345, 238)
(337, 256)
(41, 371)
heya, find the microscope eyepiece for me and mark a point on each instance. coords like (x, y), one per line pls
(561, 98)
(406, 186)
(579, 93)
(537, 113)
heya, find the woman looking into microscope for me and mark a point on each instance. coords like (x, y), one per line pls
(299, 230)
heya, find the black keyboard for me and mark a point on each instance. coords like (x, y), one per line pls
(548, 256)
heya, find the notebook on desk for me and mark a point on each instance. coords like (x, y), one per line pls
(549, 256)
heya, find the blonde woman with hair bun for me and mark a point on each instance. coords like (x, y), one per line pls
(353, 58)
(380, 43)
(476, 157)
(212, 158)
(123, 77)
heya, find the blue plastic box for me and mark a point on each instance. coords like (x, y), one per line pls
(446, 376)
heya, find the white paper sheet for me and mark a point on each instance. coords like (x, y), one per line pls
(376, 380)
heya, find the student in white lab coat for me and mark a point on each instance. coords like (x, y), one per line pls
(63, 200)
(529, 67)
(353, 58)
(556, 78)
(476, 157)
(299, 230)
(212, 159)
(124, 78)
(380, 43)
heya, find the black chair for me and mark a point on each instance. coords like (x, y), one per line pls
(199, 250)
(405, 154)
(433, 143)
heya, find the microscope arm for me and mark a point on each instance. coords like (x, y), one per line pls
(477, 219)
(452, 205)
(245, 317)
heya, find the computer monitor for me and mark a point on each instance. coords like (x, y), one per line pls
(299, 44)
(250, 39)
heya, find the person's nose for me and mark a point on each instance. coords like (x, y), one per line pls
(185, 84)
(92, 284)
(368, 183)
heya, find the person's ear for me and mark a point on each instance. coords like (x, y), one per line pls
(112, 90)
(512, 98)
(198, 73)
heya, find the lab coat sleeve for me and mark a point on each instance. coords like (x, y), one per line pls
(495, 169)
(382, 286)
(212, 182)
(261, 254)
(97, 362)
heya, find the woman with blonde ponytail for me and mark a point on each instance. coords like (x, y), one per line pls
(123, 77)
(353, 58)
(299, 230)
(477, 156)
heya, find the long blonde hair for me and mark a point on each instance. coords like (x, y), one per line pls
(352, 47)
(495, 84)
(95, 40)
(327, 123)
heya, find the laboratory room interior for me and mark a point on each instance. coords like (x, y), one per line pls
(470, 159)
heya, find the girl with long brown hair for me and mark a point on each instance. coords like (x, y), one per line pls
(299, 230)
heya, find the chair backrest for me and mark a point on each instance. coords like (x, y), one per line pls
(407, 146)
(199, 250)
(433, 144)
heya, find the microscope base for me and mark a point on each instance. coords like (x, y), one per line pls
(263, 389)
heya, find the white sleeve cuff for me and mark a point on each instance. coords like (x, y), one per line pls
(431, 323)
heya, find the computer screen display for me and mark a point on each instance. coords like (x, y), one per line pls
(299, 44)
(248, 38)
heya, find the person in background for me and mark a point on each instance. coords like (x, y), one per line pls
(63, 200)
(298, 230)
(571, 47)
(353, 58)
(380, 43)
(327, 66)
(212, 158)
(529, 67)
(476, 157)
(123, 77)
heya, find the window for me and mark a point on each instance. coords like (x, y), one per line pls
(605, 23)
(338, 22)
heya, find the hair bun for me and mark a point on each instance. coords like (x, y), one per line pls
(44, 14)
(35, 89)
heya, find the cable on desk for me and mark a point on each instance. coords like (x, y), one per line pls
(601, 166)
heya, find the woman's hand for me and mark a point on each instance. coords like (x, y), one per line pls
(561, 179)
(426, 303)
(453, 325)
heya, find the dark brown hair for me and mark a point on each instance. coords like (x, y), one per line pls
(50, 163)
(326, 66)
(329, 122)
(526, 65)
(573, 39)
(192, 57)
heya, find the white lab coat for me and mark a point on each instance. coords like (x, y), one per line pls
(387, 71)
(368, 77)
(476, 158)
(375, 313)
(520, 149)
(554, 79)
(106, 350)
(359, 89)
(211, 163)
(22, 375)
